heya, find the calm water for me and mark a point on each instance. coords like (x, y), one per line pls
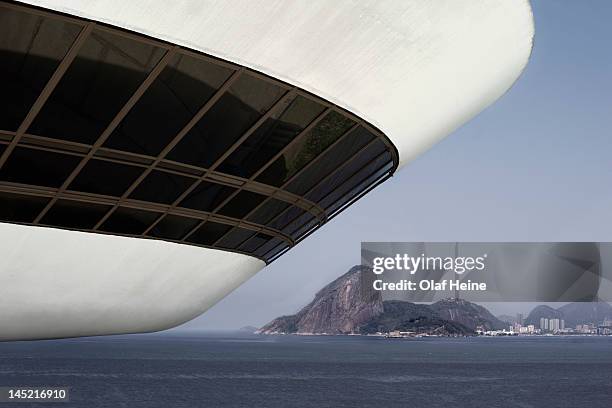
(233, 370)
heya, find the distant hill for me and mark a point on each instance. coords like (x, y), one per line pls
(573, 313)
(349, 305)
(406, 316)
(507, 319)
(467, 313)
(587, 312)
(542, 311)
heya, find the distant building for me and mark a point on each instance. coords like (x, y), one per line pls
(553, 325)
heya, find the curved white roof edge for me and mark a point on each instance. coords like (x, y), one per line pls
(58, 283)
(416, 69)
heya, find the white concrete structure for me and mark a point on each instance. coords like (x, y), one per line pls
(58, 283)
(416, 69)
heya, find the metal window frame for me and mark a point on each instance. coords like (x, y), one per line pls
(97, 151)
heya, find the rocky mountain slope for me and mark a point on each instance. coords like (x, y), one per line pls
(350, 305)
(340, 307)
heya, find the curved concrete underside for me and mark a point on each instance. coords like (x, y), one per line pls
(58, 283)
(417, 69)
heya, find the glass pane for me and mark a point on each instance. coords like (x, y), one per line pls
(242, 204)
(129, 221)
(255, 242)
(161, 187)
(364, 185)
(267, 211)
(106, 72)
(327, 131)
(74, 214)
(304, 219)
(285, 218)
(226, 121)
(207, 196)
(305, 228)
(173, 227)
(357, 184)
(330, 161)
(276, 132)
(275, 251)
(38, 167)
(20, 208)
(171, 101)
(208, 233)
(104, 177)
(234, 238)
(31, 48)
(265, 248)
(346, 171)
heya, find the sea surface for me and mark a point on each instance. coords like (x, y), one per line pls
(243, 370)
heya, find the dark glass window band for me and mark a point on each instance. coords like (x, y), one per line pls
(226, 161)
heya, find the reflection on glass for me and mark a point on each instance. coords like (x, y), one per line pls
(179, 92)
(31, 48)
(239, 108)
(276, 132)
(307, 148)
(337, 155)
(346, 171)
(103, 76)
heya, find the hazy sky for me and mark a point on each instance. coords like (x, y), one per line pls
(535, 166)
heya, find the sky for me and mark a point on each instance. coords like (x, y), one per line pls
(535, 166)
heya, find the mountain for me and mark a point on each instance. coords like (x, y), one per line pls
(350, 305)
(508, 319)
(467, 314)
(542, 311)
(573, 313)
(419, 318)
(585, 312)
(340, 307)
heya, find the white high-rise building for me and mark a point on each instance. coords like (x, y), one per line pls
(553, 325)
